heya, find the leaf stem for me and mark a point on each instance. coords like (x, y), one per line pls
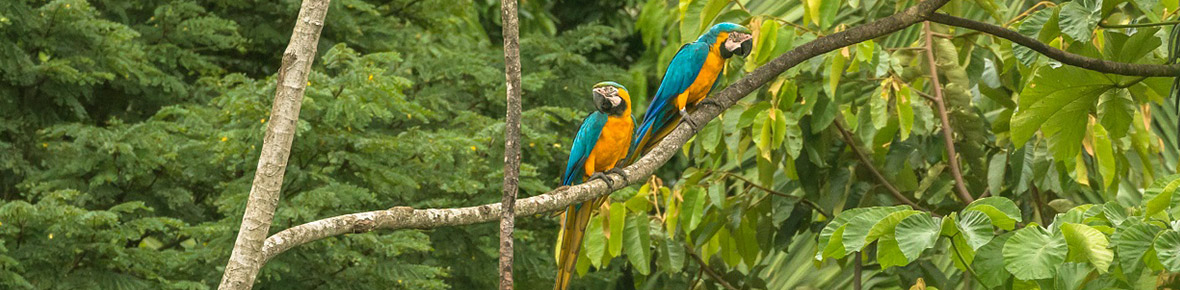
(963, 260)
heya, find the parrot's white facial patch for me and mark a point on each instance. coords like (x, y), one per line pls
(734, 42)
(611, 94)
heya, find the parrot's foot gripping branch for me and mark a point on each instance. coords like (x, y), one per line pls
(684, 116)
(620, 172)
(598, 175)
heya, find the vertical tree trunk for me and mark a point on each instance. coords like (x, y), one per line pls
(246, 259)
(511, 138)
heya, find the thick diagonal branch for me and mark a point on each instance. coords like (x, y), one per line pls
(401, 218)
(247, 256)
(948, 133)
(511, 29)
(1099, 65)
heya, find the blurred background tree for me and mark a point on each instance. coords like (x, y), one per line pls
(129, 130)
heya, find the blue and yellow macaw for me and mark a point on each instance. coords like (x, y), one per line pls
(601, 144)
(691, 75)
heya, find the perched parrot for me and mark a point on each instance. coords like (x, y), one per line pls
(691, 75)
(601, 144)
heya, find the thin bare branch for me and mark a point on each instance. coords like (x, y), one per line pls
(948, 133)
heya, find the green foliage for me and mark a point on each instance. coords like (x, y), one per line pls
(1037, 136)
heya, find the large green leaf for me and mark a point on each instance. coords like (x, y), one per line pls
(889, 253)
(1115, 112)
(905, 112)
(1167, 249)
(1104, 153)
(916, 233)
(859, 228)
(886, 226)
(690, 19)
(1036, 25)
(1055, 102)
(1131, 241)
(976, 228)
(989, 262)
(1079, 18)
(995, 173)
(831, 238)
(1160, 195)
(692, 209)
(595, 242)
(618, 217)
(710, 11)
(1002, 211)
(1132, 48)
(1087, 244)
(1032, 253)
(637, 242)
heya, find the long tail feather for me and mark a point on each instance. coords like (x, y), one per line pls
(573, 228)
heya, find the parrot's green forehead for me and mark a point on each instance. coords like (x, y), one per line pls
(610, 84)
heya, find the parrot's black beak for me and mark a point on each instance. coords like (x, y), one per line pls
(746, 47)
(601, 103)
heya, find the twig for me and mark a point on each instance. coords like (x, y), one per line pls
(708, 270)
(947, 132)
(864, 160)
(778, 193)
(511, 28)
(795, 25)
(1134, 25)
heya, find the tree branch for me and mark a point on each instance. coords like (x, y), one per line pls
(404, 217)
(948, 133)
(1099, 65)
(511, 29)
(247, 256)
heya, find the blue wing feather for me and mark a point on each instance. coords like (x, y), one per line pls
(583, 143)
(681, 73)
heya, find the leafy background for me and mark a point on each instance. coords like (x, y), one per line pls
(128, 135)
